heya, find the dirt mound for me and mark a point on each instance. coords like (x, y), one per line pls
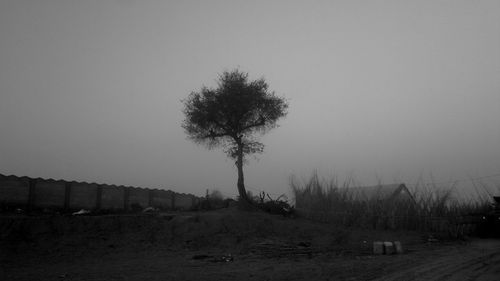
(223, 229)
(226, 244)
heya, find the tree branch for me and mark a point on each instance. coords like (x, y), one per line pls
(261, 122)
(213, 135)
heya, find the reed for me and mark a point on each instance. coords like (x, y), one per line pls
(429, 208)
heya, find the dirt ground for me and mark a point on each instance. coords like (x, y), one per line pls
(226, 245)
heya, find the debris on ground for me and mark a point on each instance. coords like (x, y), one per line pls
(81, 212)
(432, 239)
(387, 248)
(398, 247)
(378, 248)
(279, 205)
(201, 257)
(282, 249)
(223, 258)
(150, 210)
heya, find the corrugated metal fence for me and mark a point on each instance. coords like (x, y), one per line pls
(60, 194)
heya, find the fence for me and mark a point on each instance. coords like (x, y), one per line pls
(48, 193)
(455, 226)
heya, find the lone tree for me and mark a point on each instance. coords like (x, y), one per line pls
(230, 115)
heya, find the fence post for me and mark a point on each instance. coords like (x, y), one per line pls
(193, 201)
(126, 194)
(67, 195)
(173, 200)
(31, 196)
(98, 197)
(150, 197)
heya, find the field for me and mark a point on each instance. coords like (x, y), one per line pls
(227, 244)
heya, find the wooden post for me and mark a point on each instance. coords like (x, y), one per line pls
(31, 196)
(67, 195)
(98, 197)
(150, 197)
(193, 201)
(126, 195)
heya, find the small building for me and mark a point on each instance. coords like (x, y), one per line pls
(388, 192)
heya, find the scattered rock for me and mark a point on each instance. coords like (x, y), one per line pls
(223, 258)
(201, 257)
(389, 248)
(304, 244)
(432, 239)
(399, 247)
(81, 212)
(150, 210)
(378, 248)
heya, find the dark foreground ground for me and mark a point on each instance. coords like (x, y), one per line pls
(226, 245)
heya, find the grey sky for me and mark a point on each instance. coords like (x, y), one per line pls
(91, 90)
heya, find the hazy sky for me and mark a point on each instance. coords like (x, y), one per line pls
(91, 90)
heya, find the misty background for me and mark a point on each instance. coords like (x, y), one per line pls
(378, 90)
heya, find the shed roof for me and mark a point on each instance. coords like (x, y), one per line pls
(379, 192)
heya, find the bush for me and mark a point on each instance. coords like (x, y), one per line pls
(279, 205)
(213, 201)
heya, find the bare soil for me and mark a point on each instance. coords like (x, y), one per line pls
(226, 244)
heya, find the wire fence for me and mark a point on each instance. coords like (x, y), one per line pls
(448, 226)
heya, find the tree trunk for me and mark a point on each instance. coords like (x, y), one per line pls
(241, 181)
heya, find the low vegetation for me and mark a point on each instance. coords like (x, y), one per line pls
(430, 209)
(214, 200)
(271, 205)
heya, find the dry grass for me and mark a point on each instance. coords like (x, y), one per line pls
(431, 209)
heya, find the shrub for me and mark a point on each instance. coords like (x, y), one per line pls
(213, 200)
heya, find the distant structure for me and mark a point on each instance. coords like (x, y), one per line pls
(380, 206)
(387, 192)
(340, 198)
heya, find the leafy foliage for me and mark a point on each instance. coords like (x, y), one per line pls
(232, 113)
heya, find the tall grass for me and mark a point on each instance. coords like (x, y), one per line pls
(427, 209)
